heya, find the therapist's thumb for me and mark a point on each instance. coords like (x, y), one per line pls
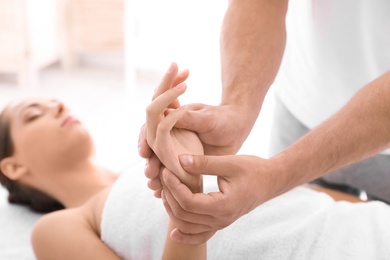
(202, 164)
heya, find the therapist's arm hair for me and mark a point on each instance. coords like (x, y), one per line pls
(357, 131)
(252, 43)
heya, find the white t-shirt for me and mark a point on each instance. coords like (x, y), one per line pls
(334, 47)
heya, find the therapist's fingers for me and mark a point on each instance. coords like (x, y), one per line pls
(185, 226)
(190, 228)
(188, 206)
(222, 166)
(186, 232)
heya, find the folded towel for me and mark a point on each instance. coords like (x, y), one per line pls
(301, 224)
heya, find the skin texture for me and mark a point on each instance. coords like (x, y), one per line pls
(252, 45)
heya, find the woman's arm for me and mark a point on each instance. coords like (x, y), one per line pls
(67, 234)
(73, 233)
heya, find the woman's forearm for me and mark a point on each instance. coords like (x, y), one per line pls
(252, 44)
(174, 250)
(360, 129)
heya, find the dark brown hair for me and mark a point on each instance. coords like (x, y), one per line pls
(18, 193)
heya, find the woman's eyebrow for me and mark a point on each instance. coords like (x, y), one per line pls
(27, 107)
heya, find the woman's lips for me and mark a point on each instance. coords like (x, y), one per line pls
(69, 120)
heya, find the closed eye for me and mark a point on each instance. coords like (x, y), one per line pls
(32, 113)
(31, 118)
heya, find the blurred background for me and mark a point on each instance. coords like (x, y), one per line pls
(104, 58)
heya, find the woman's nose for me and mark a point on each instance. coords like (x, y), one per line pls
(58, 108)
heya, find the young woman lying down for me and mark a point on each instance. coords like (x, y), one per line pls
(47, 162)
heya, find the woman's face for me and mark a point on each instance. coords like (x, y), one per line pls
(46, 134)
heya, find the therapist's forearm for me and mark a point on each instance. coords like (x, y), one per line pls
(359, 130)
(252, 44)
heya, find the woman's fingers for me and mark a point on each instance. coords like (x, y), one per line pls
(155, 111)
(163, 132)
(163, 142)
(181, 77)
(152, 167)
(167, 81)
(143, 148)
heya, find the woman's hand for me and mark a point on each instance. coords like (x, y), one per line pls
(168, 143)
(171, 79)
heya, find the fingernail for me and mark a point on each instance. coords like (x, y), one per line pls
(186, 160)
(175, 237)
(180, 87)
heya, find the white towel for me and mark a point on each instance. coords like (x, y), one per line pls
(134, 223)
(301, 224)
(16, 223)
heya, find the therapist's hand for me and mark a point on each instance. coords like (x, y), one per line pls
(244, 183)
(221, 129)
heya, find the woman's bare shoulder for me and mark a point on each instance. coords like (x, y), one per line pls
(59, 233)
(87, 215)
